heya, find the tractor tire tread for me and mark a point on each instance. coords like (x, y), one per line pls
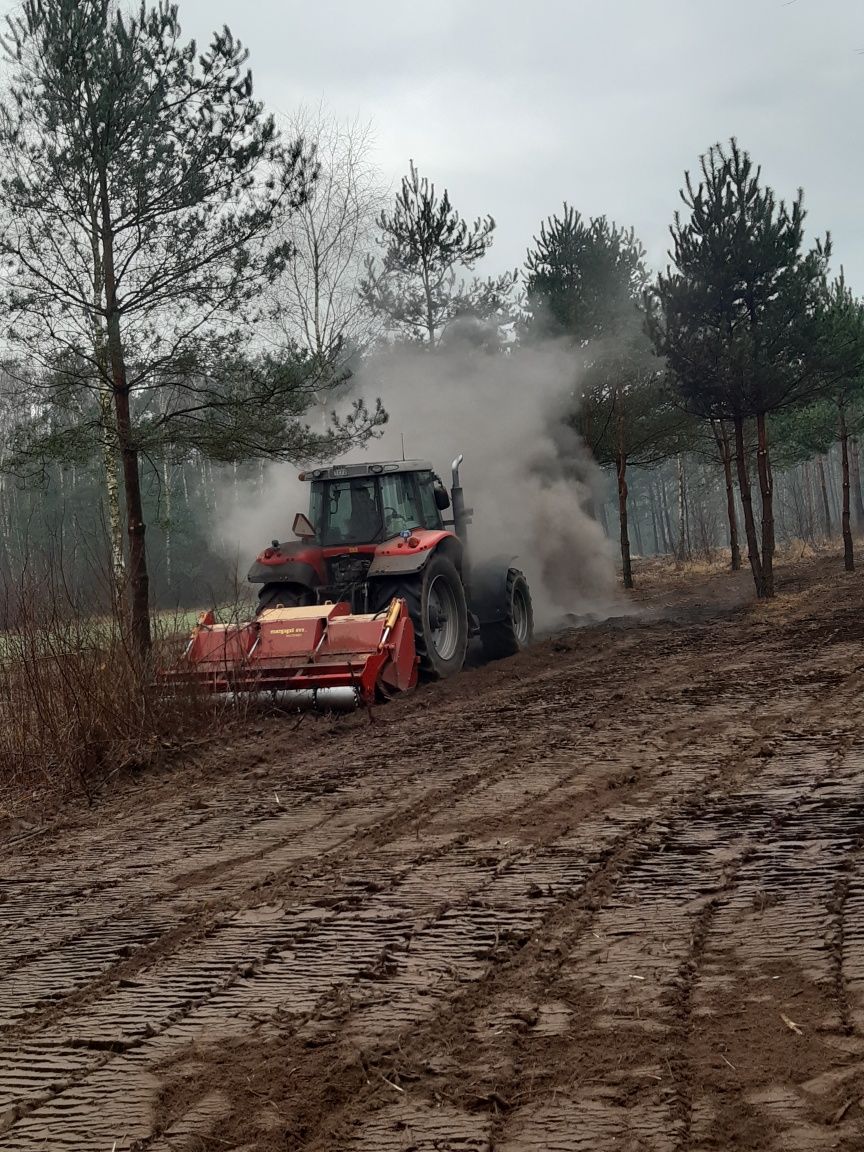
(410, 589)
(499, 639)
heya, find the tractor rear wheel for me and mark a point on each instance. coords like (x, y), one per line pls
(283, 596)
(439, 613)
(515, 630)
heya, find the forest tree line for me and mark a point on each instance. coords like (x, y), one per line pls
(189, 289)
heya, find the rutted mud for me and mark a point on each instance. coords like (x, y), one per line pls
(605, 896)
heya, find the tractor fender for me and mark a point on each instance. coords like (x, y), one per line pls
(292, 563)
(290, 572)
(487, 594)
(397, 558)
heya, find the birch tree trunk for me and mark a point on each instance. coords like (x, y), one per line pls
(835, 495)
(654, 526)
(637, 529)
(139, 580)
(169, 535)
(111, 472)
(108, 430)
(809, 502)
(667, 518)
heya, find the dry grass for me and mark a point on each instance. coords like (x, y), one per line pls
(653, 573)
(670, 572)
(77, 705)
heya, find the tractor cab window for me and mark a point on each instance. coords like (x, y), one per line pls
(346, 511)
(399, 503)
(431, 515)
(369, 509)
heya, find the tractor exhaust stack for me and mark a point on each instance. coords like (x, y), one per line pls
(461, 514)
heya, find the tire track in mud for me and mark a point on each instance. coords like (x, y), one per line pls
(388, 932)
(423, 912)
(104, 942)
(627, 1128)
(131, 857)
(523, 875)
(639, 973)
(367, 833)
(359, 946)
(775, 967)
(639, 965)
(361, 1027)
(86, 958)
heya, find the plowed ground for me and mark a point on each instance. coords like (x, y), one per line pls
(608, 895)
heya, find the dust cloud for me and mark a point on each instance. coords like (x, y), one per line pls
(528, 477)
(253, 514)
(526, 474)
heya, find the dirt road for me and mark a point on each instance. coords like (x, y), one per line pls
(606, 896)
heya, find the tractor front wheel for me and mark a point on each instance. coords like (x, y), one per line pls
(515, 629)
(284, 596)
(436, 603)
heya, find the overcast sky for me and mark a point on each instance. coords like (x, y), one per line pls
(516, 105)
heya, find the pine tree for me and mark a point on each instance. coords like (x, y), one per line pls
(840, 355)
(735, 316)
(582, 278)
(584, 283)
(139, 188)
(425, 244)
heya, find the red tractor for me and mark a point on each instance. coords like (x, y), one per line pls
(377, 588)
(375, 532)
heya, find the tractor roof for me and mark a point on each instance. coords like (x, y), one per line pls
(346, 471)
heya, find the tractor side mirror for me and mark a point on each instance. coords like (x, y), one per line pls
(302, 527)
(442, 498)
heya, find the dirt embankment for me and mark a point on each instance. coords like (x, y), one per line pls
(608, 895)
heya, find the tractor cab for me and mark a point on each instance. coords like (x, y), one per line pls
(364, 521)
(369, 504)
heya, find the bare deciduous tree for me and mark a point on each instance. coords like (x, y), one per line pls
(318, 306)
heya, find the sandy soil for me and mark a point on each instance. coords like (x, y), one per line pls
(608, 895)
